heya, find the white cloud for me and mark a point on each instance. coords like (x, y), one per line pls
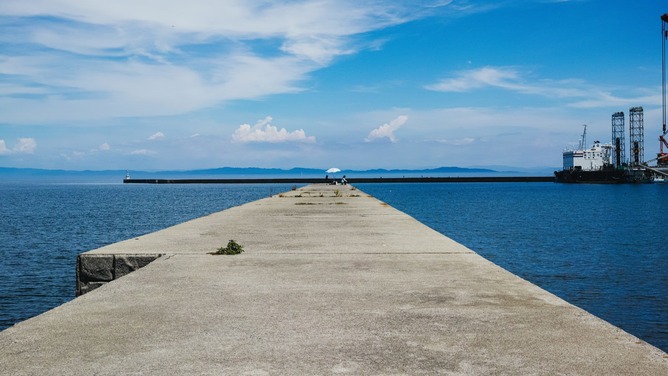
(87, 61)
(142, 152)
(318, 49)
(263, 131)
(167, 21)
(24, 146)
(387, 130)
(104, 147)
(157, 136)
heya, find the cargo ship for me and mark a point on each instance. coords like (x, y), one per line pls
(595, 165)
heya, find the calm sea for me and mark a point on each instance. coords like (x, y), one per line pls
(603, 248)
(43, 227)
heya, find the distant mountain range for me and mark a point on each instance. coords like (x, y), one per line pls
(314, 171)
(9, 173)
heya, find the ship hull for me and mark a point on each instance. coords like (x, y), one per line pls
(607, 176)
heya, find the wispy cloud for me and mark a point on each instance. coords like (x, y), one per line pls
(577, 92)
(606, 98)
(157, 136)
(80, 60)
(263, 131)
(508, 78)
(387, 130)
(142, 152)
(474, 79)
(457, 142)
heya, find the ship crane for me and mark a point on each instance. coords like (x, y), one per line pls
(583, 140)
(656, 171)
(662, 157)
(660, 161)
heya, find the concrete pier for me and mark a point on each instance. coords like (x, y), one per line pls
(332, 281)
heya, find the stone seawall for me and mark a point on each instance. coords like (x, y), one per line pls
(95, 270)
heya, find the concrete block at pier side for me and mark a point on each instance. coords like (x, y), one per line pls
(126, 264)
(86, 287)
(96, 268)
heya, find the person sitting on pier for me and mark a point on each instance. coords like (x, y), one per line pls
(343, 180)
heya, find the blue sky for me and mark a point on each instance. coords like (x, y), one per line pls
(357, 84)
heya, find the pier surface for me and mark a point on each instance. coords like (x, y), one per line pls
(332, 281)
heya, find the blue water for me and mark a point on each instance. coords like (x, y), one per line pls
(603, 248)
(600, 247)
(43, 227)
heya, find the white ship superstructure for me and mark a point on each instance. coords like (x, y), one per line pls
(595, 158)
(590, 165)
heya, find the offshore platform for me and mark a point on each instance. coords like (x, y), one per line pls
(657, 167)
(607, 163)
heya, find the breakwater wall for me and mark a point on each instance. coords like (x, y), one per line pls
(473, 179)
(331, 281)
